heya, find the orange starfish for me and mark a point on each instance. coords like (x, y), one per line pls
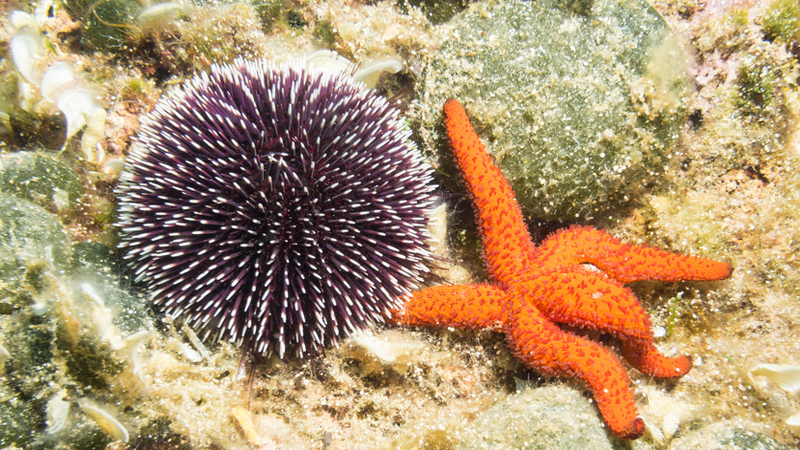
(535, 289)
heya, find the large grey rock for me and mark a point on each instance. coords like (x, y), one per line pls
(550, 417)
(578, 102)
(726, 436)
(41, 179)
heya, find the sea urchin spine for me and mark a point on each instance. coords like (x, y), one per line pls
(276, 207)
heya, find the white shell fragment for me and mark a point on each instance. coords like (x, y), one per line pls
(159, 13)
(74, 104)
(100, 315)
(21, 19)
(388, 350)
(192, 336)
(787, 376)
(57, 76)
(25, 47)
(437, 225)
(332, 62)
(93, 135)
(370, 74)
(328, 61)
(190, 354)
(4, 356)
(57, 413)
(42, 11)
(107, 422)
(113, 166)
(136, 380)
(77, 105)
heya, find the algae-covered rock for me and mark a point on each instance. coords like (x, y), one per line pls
(41, 179)
(17, 420)
(578, 103)
(541, 418)
(96, 265)
(107, 24)
(31, 242)
(726, 436)
(30, 234)
(68, 327)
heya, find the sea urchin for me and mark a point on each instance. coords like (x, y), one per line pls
(276, 207)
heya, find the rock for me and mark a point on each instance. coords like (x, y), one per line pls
(578, 109)
(726, 436)
(107, 24)
(41, 179)
(31, 236)
(68, 327)
(17, 420)
(99, 266)
(554, 416)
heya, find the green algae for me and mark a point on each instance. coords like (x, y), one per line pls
(756, 86)
(436, 11)
(107, 23)
(269, 11)
(578, 110)
(782, 21)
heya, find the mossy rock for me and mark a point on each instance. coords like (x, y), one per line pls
(553, 416)
(437, 11)
(30, 236)
(18, 420)
(107, 23)
(726, 436)
(42, 179)
(578, 102)
(97, 265)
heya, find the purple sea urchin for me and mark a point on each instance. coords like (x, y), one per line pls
(276, 207)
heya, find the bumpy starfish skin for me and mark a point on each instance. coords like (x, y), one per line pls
(536, 288)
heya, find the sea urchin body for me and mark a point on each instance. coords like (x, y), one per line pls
(276, 207)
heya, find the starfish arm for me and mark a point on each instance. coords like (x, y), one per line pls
(544, 347)
(507, 245)
(626, 263)
(468, 306)
(643, 354)
(591, 300)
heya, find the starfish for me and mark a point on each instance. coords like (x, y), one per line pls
(534, 289)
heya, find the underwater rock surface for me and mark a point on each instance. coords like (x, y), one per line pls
(71, 329)
(577, 107)
(30, 234)
(41, 179)
(727, 436)
(548, 417)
